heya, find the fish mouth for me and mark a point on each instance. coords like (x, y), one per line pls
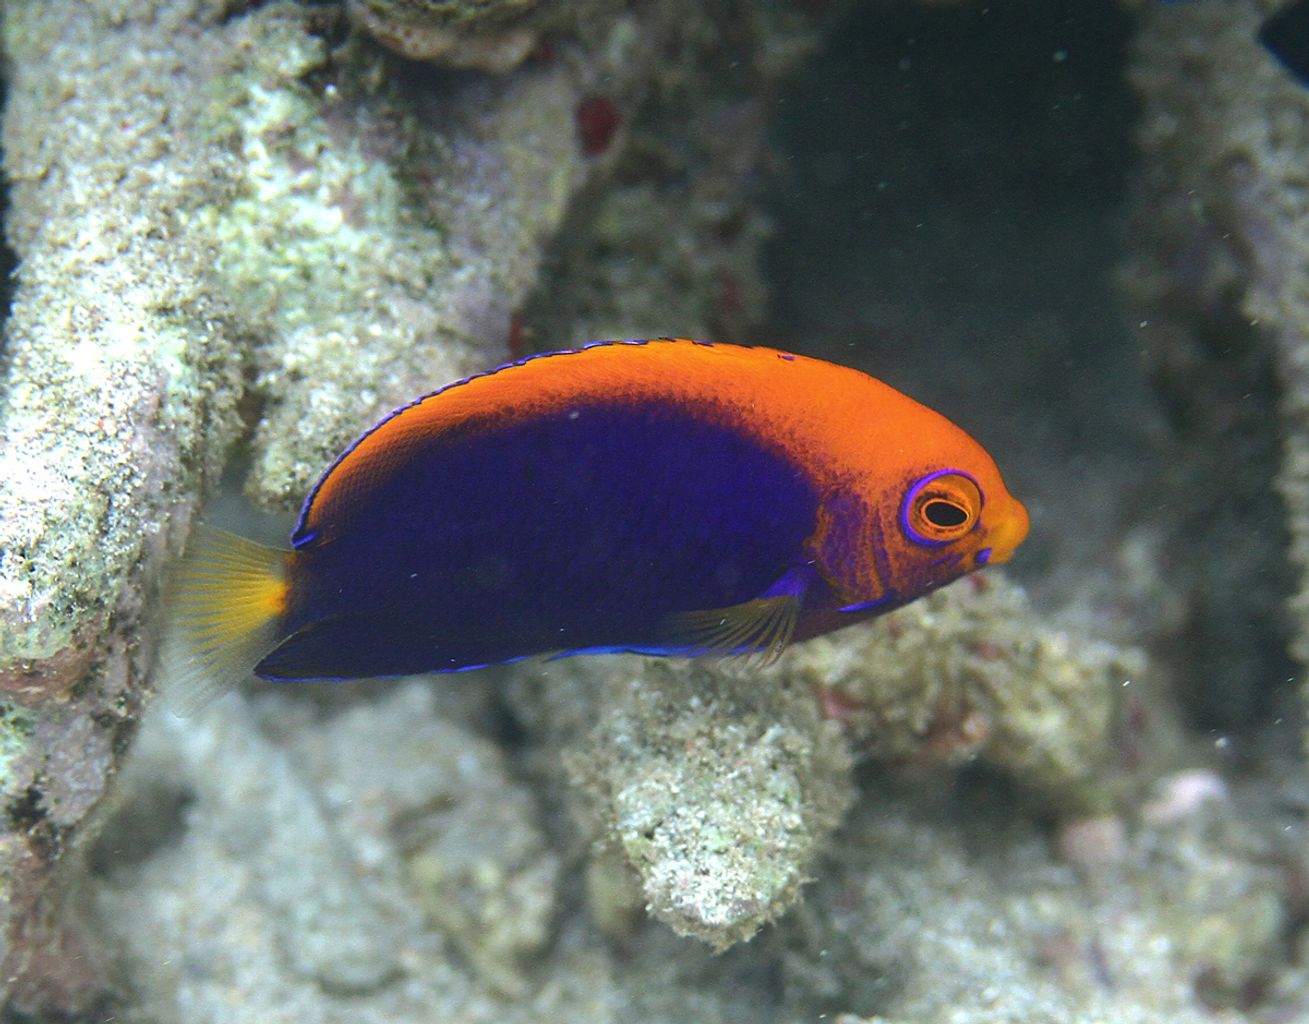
(1009, 532)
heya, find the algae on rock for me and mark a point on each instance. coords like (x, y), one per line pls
(490, 35)
(121, 378)
(386, 804)
(217, 217)
(718, 789)
(122, 370)
(235, 222)
(943, 909)
(970, 672)
(709, 791)
(291, 882)
(271, 824)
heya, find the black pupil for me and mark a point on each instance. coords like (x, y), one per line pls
(945, 514)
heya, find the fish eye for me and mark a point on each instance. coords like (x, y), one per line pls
(944, 514)
(940, 507)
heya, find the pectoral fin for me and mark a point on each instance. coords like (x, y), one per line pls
(762, 626)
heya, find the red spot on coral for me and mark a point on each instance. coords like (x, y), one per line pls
(955, 735)
(597, 120)
(837, 705)
(543, 52)
(34, 684)
(517, 343)
(987, 650)
(1132, 731)
(1138, 715)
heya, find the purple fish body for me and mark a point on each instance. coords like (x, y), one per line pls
(580, 531)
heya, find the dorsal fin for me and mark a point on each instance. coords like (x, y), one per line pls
(305, 530)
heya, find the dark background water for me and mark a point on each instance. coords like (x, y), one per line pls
(948, 204)
(952, 194)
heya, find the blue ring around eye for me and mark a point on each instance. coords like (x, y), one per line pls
(913, 493)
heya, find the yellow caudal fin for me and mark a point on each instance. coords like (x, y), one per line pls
(226, 601)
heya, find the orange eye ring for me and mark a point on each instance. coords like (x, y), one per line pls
(941, 507)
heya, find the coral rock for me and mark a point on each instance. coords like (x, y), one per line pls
(487, 35)
(718, 788)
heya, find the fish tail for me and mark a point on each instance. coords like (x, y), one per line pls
(228, 599)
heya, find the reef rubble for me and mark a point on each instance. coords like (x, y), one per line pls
(718, 787)
(1216, 285)
(247, 227)
(334, 860)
